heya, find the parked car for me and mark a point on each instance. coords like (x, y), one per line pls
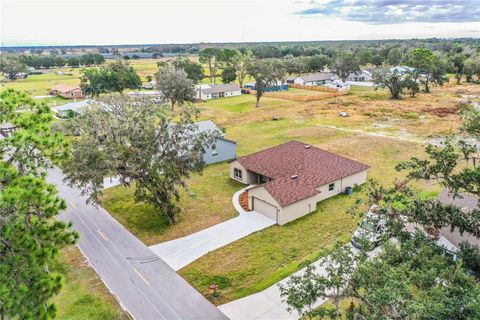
(370, 230)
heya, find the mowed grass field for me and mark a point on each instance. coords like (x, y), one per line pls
(38, 85)
(206, 203)
(255, 262)
(83, 295)
(379, 132)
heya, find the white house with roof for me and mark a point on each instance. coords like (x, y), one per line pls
(311, 79)
(450, 239)
(77, 108)
(222, 149)
(213, 91)
(402, 69)
(361, 78)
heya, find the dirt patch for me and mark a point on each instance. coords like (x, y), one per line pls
(441, 112)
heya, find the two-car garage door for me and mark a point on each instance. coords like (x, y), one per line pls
(264, 208)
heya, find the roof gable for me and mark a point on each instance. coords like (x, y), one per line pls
(310, 167)
(65, 88)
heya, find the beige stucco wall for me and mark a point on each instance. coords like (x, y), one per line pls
(303, 207)
(262, 194)
(355, 179)
(247, 176)
(297, 209)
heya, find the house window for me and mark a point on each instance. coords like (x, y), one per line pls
(237, 173)
(331, 186)
(214, 150)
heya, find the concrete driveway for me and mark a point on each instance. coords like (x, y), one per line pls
(267, 304)
(182, 251)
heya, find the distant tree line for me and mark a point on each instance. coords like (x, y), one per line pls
(57, 61)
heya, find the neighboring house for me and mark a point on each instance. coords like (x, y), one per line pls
(277, 86)
(21, 75)
(67, 91)
(311, 79)
(289, 180)
(213, 91)
(449, 239)
(74, 109)
(452, 239)
(402, 69)
(222, 149)
(362, 76)
(150, 93)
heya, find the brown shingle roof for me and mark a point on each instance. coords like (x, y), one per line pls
(313, 167)
(65, 88)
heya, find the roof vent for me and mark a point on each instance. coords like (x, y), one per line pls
(307, 146)
(295, 176)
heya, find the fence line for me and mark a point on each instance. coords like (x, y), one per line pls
(313, 97)
(313, 88)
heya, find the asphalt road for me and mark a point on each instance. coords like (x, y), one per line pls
(145, 286)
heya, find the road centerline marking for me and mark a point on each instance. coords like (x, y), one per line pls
(103, 235)
(141, 276)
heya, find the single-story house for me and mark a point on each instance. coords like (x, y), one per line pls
(362, 76)
(311, 79)
(150, 93)
(213, 91)
(67, 91)
(451, 239)
(287, 181)
(74, 109)
(222, 149)
(448, 239)
(401, 69)
(277, 86)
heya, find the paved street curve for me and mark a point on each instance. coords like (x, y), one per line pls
(145, 286)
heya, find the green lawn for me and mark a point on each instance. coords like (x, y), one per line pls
(208, 202)
(40, 84)
(260, 260)
(253, 263)
(239, 104)
(83, 295)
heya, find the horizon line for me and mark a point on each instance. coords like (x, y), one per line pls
(52, 45)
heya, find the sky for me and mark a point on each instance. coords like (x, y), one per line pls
(73, 22)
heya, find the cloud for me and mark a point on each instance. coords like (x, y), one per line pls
(396, 11)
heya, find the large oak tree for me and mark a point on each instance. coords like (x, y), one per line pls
(142, 144)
